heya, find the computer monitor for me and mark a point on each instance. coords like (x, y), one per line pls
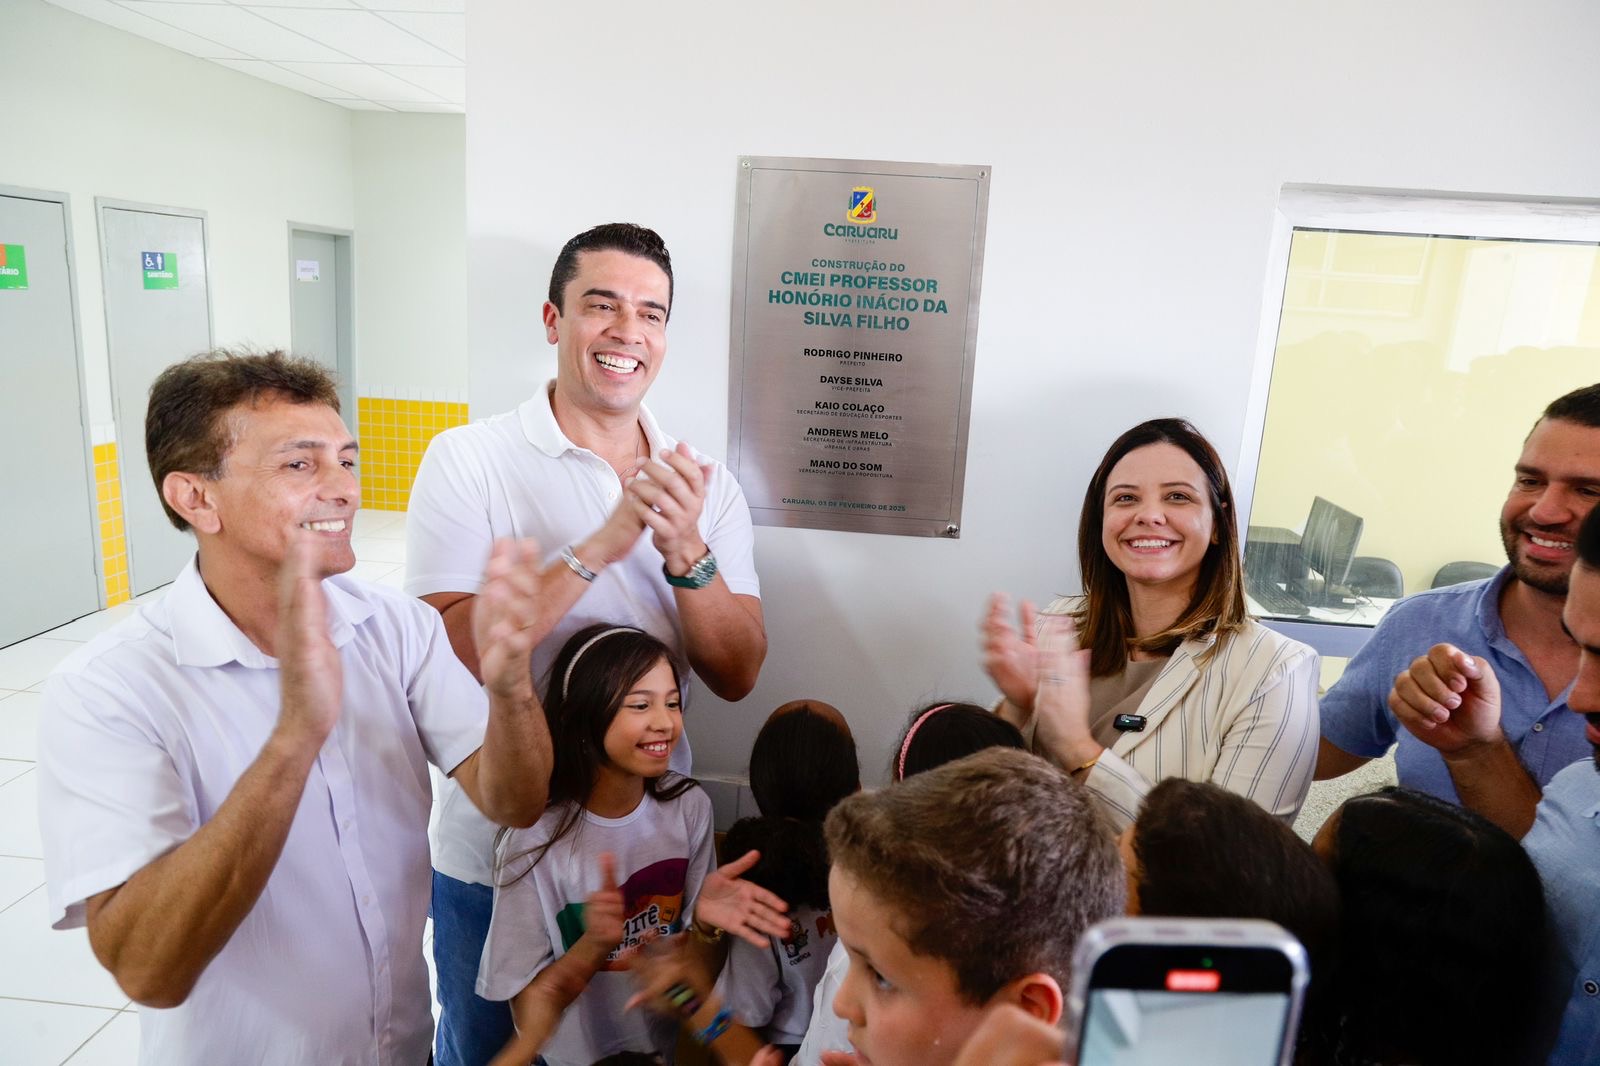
(1326, 547)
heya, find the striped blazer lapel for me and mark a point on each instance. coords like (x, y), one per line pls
(1167, 693)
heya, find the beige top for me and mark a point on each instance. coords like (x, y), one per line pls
(1244, 718)
(1109, 696)
(1117, 694)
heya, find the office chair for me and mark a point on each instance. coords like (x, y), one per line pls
(1375, 578)
(1462, 570)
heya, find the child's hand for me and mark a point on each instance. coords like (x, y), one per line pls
(742, 908)
(520, 1050)
(602, 911)
(665, 981)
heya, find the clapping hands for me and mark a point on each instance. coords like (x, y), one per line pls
(505, 616)
(1010, 655)
(1061, 708)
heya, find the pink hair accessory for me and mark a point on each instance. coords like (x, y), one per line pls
(905, 745)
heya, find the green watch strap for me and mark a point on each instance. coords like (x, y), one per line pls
(699, 575)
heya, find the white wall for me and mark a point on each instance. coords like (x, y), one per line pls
(94, 111)
(1138, 149)
(411, 253)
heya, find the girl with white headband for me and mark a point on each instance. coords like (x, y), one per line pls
(624, 852)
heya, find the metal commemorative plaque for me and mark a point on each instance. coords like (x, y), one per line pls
(855, 318)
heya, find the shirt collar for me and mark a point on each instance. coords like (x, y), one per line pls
(539, 426)
(1488, 608)
(204, 636)
(1493, 626)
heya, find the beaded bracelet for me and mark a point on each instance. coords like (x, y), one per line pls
(683, 1000)
(718, 1026)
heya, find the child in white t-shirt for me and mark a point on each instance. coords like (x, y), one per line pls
(803, 762)
(614, 711)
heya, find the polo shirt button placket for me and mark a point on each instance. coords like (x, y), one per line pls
(1591, 987)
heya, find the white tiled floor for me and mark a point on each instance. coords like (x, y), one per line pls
(57, 1004)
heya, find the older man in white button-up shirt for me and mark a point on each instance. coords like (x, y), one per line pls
(234, 783)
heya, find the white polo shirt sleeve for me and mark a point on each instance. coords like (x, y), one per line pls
(731, 537)
(450, 708)
(448, 533)
(111, 799)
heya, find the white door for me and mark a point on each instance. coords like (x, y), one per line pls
(153, 267)
(48, 537)
(319, 307)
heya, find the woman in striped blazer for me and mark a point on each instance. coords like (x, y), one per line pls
(1157, 670)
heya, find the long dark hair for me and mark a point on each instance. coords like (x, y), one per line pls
(803, 763)
(1201, 851)
(592, 674)
(1105, 621)
(942, 732)
(1205, 852)
(1433, 897)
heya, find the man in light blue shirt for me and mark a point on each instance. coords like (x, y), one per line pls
(1564, 844)
(1512, 621)
(1453, 702)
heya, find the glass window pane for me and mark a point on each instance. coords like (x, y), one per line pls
(1408, 370)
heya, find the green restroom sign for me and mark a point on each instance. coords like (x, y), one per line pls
(160, 270)
(13, 267)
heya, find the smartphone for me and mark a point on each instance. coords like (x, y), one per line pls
(1196, 991)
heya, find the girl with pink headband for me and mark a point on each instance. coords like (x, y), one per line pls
(943, 732)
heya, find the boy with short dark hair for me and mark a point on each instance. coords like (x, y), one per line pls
(964, 887)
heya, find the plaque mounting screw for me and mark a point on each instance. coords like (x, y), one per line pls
(952, 531)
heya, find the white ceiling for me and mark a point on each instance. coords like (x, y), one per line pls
(367, 55)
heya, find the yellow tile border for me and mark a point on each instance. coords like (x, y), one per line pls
(111, 531)
(394, 434)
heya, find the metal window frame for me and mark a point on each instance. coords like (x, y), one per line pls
(1403, 211)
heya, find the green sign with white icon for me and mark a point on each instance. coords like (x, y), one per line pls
(160, 270)
(13, 266)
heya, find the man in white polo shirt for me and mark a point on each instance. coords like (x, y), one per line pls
(649, 533)
(233, 784)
